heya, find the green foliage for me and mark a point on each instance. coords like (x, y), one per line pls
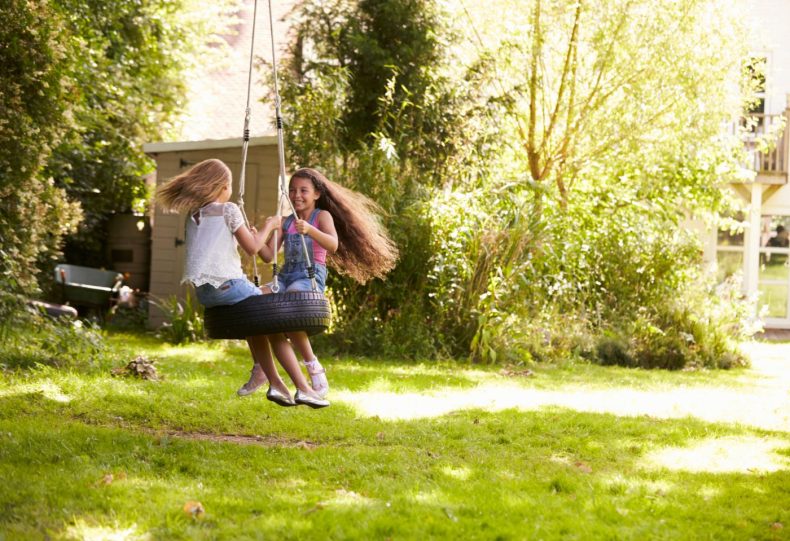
(130, 60)
(84, 84)
(366, 108)
(701, 330)
(614, 454)
(383, 51)
(481, 256)
(35, 112)
(184, 322)
(537, 191)
(29, 337)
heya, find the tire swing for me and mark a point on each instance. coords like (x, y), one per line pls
(277, 312)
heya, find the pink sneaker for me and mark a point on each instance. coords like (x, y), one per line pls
(317, 377)
(257, 378)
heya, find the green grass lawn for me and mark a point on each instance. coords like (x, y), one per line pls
(406, 451)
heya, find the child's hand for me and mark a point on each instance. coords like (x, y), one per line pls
(302, 226)
(273, 222)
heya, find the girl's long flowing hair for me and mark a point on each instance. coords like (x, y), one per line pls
(197, 186)
(364, 248)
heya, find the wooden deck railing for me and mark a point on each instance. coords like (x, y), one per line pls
(774, 161)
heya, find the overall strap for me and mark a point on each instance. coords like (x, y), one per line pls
(288, 221)
(314, 217)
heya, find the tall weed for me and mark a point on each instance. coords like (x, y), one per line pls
(184, 322)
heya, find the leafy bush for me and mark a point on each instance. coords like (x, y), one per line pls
(538, 215)
(128, 65)
(35, 105)
(29, 337)
(702, 329)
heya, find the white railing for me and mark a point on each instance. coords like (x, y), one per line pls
(773, 161)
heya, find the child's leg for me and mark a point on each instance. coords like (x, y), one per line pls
(314, 368)
(257, 375)
(302, 343)
(262, 355)
(285, 354)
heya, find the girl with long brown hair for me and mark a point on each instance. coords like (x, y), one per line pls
(340, 228)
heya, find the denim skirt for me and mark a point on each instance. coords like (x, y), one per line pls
(230, 292)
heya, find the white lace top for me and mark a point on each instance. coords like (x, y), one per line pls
(212, 255)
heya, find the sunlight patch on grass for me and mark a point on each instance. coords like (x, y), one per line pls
(417, 370)
(48, 389)
(193, 353)
(762, 408)
(85, 532)
(345, 497)
(708, 492)
(461, 473)
(381, 385)
(722, 455)
(621, 484)
(429, 498)
(292, 483)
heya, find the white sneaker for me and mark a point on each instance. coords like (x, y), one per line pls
(317, 377)
(257, 378)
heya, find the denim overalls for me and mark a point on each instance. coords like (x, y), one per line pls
(294, 271)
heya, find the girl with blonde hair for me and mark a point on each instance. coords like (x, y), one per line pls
(215, 228)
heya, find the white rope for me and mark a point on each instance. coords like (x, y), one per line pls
(246, 139)
(282, 189)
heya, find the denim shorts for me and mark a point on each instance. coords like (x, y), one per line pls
(231, 292)
(297, 280)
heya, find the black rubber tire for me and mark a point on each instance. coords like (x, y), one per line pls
(270, 314)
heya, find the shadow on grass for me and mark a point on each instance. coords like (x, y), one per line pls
(490, 466)
(550, 473)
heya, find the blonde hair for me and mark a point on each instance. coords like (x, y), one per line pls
(364, 249)
(197, 186)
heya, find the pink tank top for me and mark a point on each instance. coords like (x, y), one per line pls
(319, 252)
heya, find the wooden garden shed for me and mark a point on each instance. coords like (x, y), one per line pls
(167, 229)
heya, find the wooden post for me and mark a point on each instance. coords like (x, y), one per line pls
(785, 166)
(751, 253)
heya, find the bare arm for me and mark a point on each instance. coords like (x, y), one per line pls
(268, 250)
(252, 241)
(325, 234)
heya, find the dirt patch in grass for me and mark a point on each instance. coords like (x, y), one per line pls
(240, 439)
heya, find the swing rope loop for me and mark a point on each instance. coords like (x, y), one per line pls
(246, 142)
(302, 311)
(281, 187)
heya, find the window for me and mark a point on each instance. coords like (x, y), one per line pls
(774, 275)
(729, 248)
(755, 69)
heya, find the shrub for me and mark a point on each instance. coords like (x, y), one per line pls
(28, 337)
(702, 329)
(527, 231)
(35, 104)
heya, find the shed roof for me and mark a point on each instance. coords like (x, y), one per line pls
(216, 98)
(180, 146)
